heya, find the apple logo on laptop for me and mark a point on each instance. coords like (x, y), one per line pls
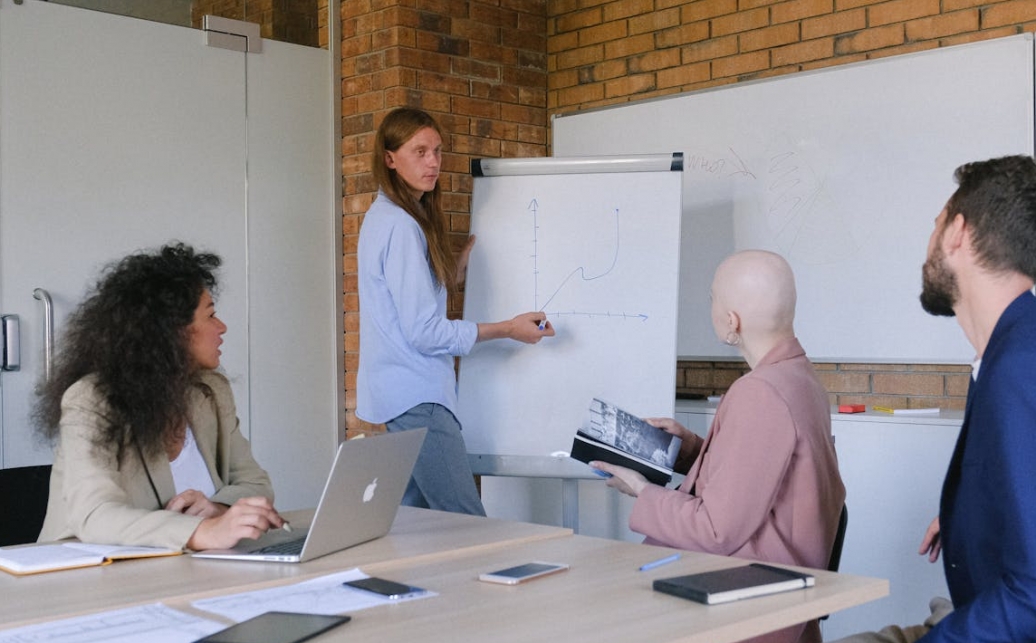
(368, 493)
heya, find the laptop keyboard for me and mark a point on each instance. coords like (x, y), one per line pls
(289, 548)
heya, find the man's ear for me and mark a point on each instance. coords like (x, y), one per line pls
(955, 235)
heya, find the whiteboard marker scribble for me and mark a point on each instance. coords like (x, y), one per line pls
(742, 167)
(701, 163)
(583, 313)
(799, 212)
(581, 270)
(716, 166)
(535, 207)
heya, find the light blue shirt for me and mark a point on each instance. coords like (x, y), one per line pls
(407, 344)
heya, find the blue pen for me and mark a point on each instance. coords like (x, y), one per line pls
(542, 324)
(658, 563)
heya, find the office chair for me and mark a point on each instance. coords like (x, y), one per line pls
(23, 503)
(836, 549)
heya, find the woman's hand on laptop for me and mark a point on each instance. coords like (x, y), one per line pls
(246, 518)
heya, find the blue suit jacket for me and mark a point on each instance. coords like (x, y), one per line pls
(988, 508)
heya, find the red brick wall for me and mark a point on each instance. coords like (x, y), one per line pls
(480, 67)
(603, 52)
(892, 385)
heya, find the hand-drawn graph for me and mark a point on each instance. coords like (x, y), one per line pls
(579, 273)
(599, 255)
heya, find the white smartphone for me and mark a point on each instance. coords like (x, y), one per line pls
(522, 573)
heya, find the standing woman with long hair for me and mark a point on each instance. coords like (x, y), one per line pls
(148, 448)
(407, 269)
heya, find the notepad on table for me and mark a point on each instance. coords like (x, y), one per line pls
(36, 559)
(734, 584)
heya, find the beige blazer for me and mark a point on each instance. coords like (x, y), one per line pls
(98, 499)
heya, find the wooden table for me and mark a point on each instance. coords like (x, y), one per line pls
(602, 598)
(416, 535)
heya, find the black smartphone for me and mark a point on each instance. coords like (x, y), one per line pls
(386, 588)
(276, 627)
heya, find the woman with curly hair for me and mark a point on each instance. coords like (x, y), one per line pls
(407, 268)
(148, 449)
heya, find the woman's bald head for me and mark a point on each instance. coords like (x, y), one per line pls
(759, 287)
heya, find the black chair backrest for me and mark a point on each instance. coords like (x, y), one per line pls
(23, 503)
(836, 550)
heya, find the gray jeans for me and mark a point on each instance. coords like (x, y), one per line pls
(442, 477)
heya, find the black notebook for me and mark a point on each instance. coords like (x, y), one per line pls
(617, 437)
(736, 583)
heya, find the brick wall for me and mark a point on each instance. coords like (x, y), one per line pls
(479, 67)
(494, 70)
(904, 386)
(602, 52)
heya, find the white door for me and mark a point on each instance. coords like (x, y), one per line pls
(118, 134)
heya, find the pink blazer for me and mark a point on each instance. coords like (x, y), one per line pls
(765, 485)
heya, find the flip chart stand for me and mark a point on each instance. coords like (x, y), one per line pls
(569, 471)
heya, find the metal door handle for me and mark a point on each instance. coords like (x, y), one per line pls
(12, 357)
(48, 330)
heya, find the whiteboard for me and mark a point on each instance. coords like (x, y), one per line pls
(599, 255)
(842, 171)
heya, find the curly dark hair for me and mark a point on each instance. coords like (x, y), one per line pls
(131, 334)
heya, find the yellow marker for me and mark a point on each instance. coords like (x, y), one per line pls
(882, 409)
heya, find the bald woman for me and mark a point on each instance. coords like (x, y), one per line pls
(764, 484)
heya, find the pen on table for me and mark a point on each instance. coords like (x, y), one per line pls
(658, 563)
(882, 409)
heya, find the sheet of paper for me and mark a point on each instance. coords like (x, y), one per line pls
(152, 623)
(54, 555)
(323, 595)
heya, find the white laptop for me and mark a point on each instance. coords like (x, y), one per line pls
(359, 502)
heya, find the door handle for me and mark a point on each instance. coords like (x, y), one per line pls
(48, 330)
(12, 354)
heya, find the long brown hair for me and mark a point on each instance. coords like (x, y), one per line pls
(399, 126)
